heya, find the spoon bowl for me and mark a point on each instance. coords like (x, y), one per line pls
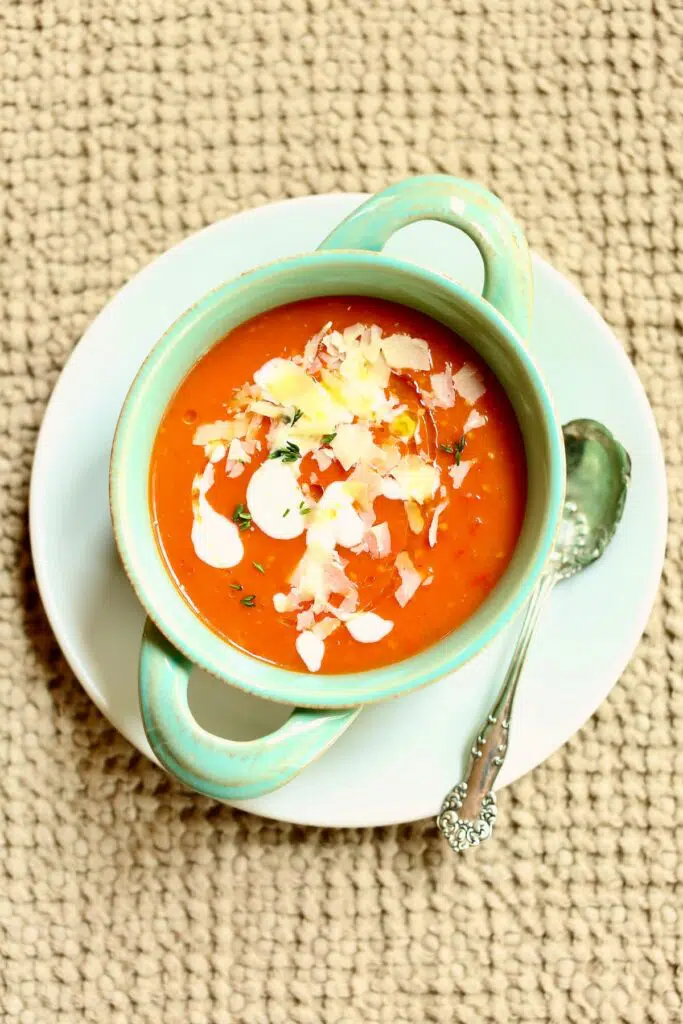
(598, 475)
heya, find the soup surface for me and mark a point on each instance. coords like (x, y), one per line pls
(338, 484)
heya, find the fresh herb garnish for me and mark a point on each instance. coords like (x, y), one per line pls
(454, 449)
(304, 509)
(328, 438)
(241, 517)
(235, 586)
(285, 513)
(290, 453)
(258, 566)
(294, 418)
(249, 601)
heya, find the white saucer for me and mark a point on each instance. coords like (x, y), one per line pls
(399, 759)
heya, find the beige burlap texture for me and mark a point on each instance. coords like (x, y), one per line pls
(125, 126)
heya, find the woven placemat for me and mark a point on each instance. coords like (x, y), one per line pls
(126, 125)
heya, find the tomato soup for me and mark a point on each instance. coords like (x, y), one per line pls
(338, 484)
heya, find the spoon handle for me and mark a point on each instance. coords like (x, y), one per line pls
(468, 813)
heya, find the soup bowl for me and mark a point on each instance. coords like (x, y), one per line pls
(348, 262)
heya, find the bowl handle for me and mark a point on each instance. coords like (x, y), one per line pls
(221, 768)
(465, 205)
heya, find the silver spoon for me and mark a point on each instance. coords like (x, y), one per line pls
(598, 474)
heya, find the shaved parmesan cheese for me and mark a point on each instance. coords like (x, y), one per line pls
(215, 538)
(281, 434)
(246, 394)
(215, 451)
(234, 469)
(335, 521)
(253, 427)
(434, 525)
(237, 451)
(305, 620)
(263, 408)
(410, 578)
(323, 457)
(325, 627)
(378, 540)
(405, 353)
(468, 383)
(366, 364)
(319, 574)
(209, 433)
(311, 649)
(458, 473)
(274, 500)
(417, 479)
(368, 628)
(279, 378)
(353, 334)
(414, 516)
(428, 581)
(308, 578)
(353, 444)
(312, 346)
(443, 396)
(358, 385)
(372, 486)
(337, 582)
(474, 420)
(391, 456)
(347, 607)
(285, 382)
(368, 518)
(391, 489)
(403, 426)
(335, 348)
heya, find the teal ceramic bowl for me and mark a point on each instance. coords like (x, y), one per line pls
(349, 262)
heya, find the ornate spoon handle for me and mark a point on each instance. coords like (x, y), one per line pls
(468, 813)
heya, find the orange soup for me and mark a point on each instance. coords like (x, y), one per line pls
(338, 484)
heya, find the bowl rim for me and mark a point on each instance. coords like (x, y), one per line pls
(268, 680)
